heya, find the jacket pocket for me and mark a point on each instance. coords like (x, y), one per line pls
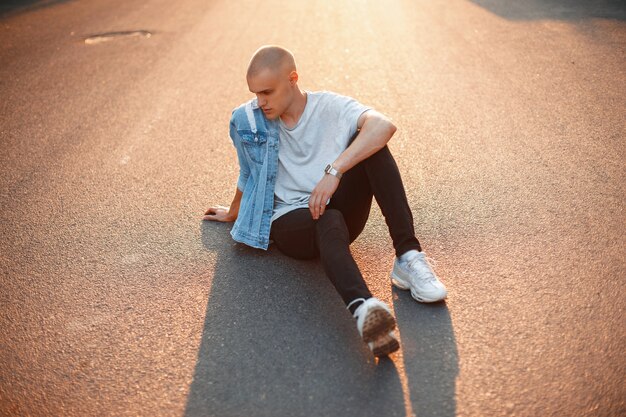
(254, 145)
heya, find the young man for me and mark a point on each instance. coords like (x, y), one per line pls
(310, 163)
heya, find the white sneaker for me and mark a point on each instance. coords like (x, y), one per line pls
(375, 324)
(414, 272)
(385, 345)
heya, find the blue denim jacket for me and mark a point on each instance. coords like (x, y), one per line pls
(256, 140)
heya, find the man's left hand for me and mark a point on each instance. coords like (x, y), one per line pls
(321, 193)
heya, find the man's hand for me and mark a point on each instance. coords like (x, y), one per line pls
(321, 193)
(219, 214)
(225, 214)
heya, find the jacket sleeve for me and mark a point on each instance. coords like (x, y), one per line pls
(244, 168)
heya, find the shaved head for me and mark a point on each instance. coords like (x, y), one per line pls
(273, 78)
(274, 58)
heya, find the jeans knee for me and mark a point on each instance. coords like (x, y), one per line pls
(331, 217)
(332, 224)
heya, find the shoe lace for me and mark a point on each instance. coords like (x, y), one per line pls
(362, 300)
(424, 268)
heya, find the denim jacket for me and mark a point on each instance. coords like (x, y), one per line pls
(256, 140)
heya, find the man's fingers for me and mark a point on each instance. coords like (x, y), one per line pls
(314, 205)
(322, 205)
(216, 209)
(218, 217)
(317, 204)
(214, 213)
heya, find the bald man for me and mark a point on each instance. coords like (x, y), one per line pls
(309, 165)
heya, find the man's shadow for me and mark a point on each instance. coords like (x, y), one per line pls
(431, 359)
(568, 10)
(278, 341)
(14, 7)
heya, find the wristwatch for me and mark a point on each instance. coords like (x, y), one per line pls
(332, 171)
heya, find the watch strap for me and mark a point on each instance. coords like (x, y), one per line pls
(332, 171)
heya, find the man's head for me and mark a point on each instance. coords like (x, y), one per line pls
(273, 78)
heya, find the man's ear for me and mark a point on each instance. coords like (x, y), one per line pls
(293, 77)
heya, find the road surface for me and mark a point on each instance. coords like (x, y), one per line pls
(116, 299)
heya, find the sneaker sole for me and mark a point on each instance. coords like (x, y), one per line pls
(385, 346)
(378, 323)
(403, 285)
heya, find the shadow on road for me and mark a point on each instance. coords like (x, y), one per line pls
(430, 356)
(13, 7)
(277, 341)
(555, 9)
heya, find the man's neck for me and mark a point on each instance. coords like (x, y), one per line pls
(292, 115)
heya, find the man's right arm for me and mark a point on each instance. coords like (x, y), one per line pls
(225, 214)
(229, 214)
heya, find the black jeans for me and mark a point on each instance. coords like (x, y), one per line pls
(297, 235)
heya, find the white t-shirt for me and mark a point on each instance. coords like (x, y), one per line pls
(325, 127)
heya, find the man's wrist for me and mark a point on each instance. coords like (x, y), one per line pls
(330, 169)
(232, 215)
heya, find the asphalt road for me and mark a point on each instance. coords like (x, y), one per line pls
(116, 299)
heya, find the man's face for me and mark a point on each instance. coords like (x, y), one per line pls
(273, 90)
